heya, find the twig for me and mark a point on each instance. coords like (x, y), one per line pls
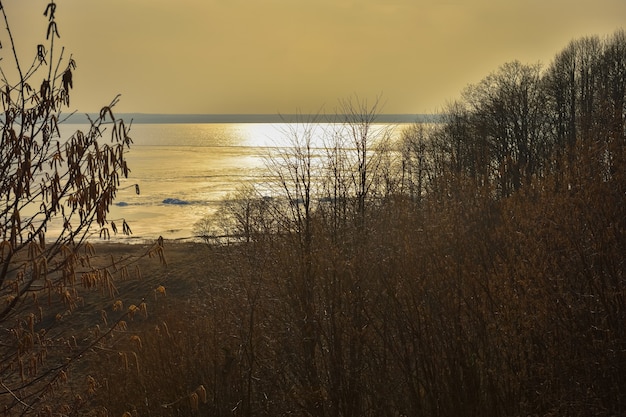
(15, 396)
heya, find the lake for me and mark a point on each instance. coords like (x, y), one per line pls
(185, 170)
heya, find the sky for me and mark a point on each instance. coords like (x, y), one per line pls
(297, 56)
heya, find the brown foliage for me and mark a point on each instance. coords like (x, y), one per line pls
(56, 193)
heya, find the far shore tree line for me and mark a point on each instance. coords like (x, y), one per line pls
(475, 268)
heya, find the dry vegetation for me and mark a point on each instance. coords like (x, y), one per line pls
(459, 307)
(479, 271)
(476, 268)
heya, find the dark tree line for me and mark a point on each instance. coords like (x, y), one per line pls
(520, 121)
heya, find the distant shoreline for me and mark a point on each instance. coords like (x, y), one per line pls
(149, 118)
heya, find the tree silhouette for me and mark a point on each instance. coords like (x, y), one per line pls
(55, 194)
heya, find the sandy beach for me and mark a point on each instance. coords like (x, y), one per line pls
(139, 275)
(184, 265)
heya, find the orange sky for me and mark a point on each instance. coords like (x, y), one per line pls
(287, 56)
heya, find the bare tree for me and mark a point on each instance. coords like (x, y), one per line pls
(361, 133)
(244, 216)
(508, 112)
(417, 158)
(56, 193)
(295, 168)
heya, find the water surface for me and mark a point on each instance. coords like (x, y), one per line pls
(185, 170)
